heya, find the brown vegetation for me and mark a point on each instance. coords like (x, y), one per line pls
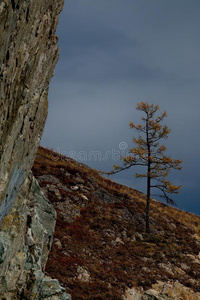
(100, 228)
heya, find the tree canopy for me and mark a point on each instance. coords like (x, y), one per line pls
(148, 152)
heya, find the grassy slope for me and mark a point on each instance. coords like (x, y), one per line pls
(103, 238)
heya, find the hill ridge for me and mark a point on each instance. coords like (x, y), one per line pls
(100, 250)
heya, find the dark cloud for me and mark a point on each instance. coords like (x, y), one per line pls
(114, 54)
(86, 41)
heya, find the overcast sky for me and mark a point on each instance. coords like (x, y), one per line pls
(113, 54)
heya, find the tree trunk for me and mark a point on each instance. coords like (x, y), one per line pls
(148, 201)
(148, 177)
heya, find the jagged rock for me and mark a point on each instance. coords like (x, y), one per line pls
(25, 258)
(48, 289)
(28, 54)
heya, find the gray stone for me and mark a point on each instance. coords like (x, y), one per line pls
(74, 188)
(28, 54)
(151, 295)
(79, 180)
(138, 236)
(24, 255)
(49, 178)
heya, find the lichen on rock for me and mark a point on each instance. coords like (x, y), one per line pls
(28, 54)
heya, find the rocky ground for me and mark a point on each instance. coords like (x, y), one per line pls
(100, 249)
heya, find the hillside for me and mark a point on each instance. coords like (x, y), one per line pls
(100, 250)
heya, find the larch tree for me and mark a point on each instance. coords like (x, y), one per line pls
(149, 153)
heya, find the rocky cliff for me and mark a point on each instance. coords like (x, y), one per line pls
(28, 54)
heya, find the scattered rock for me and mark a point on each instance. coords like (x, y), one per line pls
(179, 271)
(84, 197)
(110, 233)
(167, 268)
(63, 187)
(119, 240)
(184, 267)
(53, 189)
(48, 178)
(133, 239)
(79, 180)
(104, 196)
(67, 174)
(132, 294)
(195, 258)
(83, 274)
(57, 244)
(98, 232)
(162, 291)
(145, 259)
(151, 294)
(138, 236)
(146, 270)
(175, 291)
(173, 226)
(74, 188)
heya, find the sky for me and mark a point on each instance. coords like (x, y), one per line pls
(114, 54)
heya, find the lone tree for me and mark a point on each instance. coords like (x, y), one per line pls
(150, 154)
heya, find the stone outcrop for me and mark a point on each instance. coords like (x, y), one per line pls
(25, 241)
(163, 291)
(28, 54)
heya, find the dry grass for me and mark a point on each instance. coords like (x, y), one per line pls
(188, 219)
(103, 239)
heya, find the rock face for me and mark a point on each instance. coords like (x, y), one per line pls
(28, 54)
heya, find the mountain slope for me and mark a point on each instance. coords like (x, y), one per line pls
(100, 250)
